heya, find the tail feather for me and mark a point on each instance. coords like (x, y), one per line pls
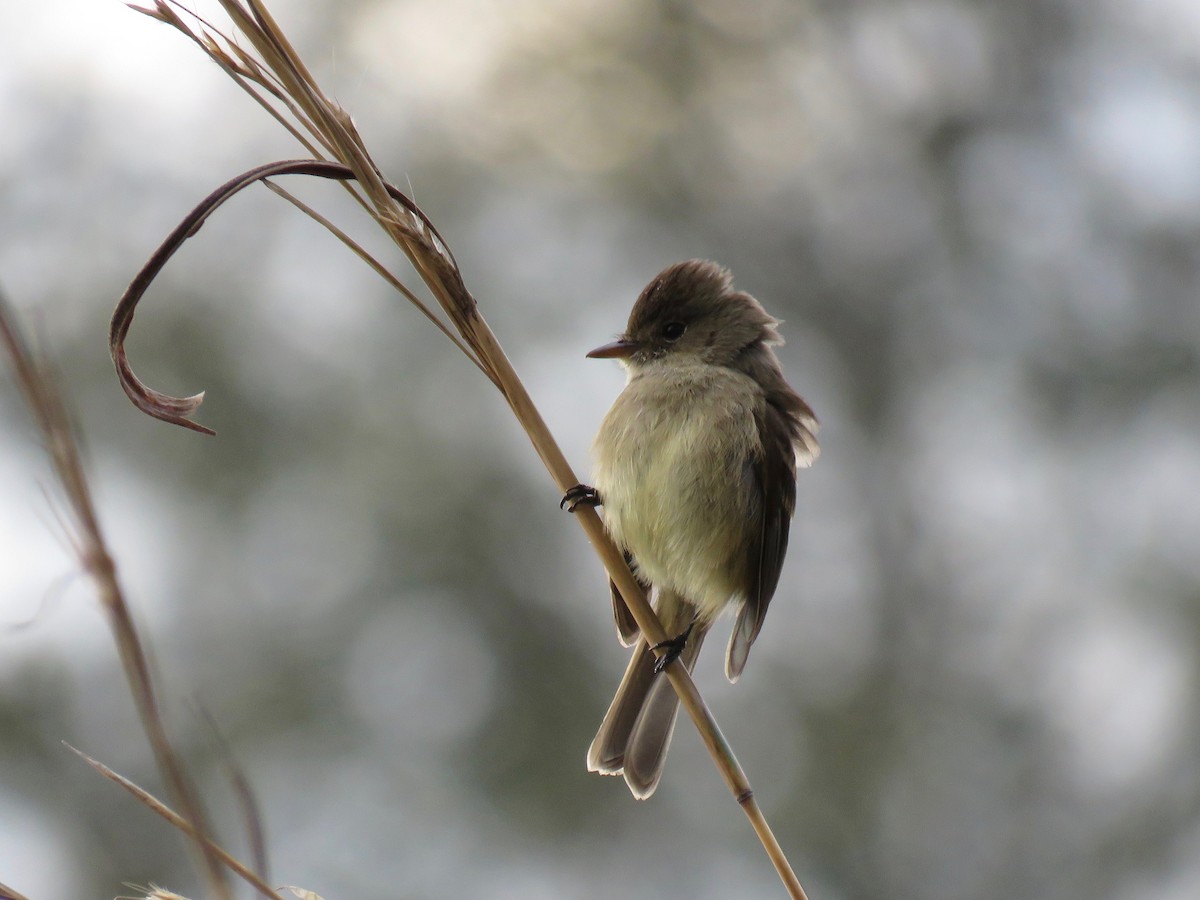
(607, 753)
(646, 750)
(636, 732)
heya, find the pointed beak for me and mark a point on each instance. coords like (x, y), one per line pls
(619, 349)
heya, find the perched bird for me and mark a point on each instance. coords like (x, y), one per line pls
(695, 466)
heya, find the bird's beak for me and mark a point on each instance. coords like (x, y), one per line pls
(619, 349)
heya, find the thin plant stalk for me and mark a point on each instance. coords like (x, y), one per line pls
(183, 823)
(52, 419)
(279, 69)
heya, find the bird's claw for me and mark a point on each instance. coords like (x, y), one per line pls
(674, 646)
(580, 495)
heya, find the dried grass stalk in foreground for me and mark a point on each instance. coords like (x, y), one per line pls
(278, 80)
(37, 385)
(154, 892)
(180, 822)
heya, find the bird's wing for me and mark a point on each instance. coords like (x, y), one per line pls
(627, 628)
(772, 475)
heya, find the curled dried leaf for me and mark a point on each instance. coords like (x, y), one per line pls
(424, 245)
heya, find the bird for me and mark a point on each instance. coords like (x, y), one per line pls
(695, 468)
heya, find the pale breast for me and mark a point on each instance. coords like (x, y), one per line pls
(672, 467)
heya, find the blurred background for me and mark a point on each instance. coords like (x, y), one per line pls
(981, 224)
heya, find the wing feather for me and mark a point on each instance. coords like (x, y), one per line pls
(627, 629)
(772, 474)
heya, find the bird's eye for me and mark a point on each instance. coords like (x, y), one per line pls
(673, 331)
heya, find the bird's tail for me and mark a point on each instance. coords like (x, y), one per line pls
(636, 732)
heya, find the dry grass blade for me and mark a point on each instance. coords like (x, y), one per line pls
(178, 410)
(246, 800)
(331, 128)
(153, 803)
(50, 414)
(381, 270)
(238, 64)
(7, 893)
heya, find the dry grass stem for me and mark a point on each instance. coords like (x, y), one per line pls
(227, 859)
(279, 80)
(247, 802)
(381, 270)
(50, 413)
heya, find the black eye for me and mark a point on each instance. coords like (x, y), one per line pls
(673, 331)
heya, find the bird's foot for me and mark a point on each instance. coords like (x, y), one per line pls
(580, 495)
(674, 646)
